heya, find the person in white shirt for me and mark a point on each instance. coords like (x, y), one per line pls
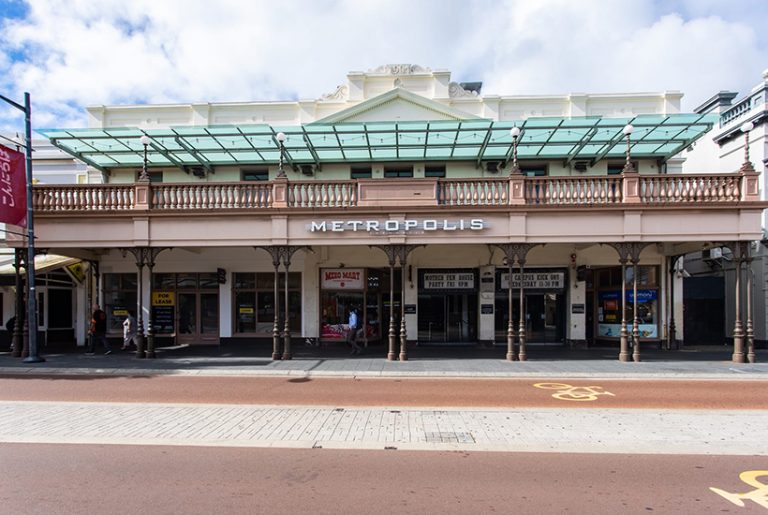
(129, 331)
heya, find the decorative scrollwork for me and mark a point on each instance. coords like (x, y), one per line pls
(341, 93)
(400, 69)
(456, 91)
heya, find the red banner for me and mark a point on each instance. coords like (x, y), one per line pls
(13, 187)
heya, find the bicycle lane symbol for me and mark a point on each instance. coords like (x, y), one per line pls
(759, 495)
(567, 392)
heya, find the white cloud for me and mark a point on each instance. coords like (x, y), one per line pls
(80, 52)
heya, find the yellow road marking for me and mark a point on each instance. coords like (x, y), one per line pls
(567, 392)
(759, 495)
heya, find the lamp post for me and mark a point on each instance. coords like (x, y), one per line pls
(281, 141)
(628, 167)
(33, 357)
(746, 128)
(144, 175)
(515, 133)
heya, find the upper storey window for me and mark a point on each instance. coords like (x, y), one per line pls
(398, 171)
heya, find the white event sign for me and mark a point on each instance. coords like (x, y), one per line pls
(535, 280)
(449, 280)
(342, 278)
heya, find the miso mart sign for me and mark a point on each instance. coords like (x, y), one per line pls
(342, 278)
(396, 226)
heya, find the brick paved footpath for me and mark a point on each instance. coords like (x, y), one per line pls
(535, 430)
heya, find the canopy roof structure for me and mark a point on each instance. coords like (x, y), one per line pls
(585, 138)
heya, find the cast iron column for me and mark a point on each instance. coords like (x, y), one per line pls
(403, 331)
(521, 326)
(738, 331)
(623, 333)
(17, 335)
(140, 313)
(391, 356)
(750, 329)
(635, 319)
(510, 314)
(140, 253)
(276, 324)
(671, 329)
(286, 328)
(151, 257)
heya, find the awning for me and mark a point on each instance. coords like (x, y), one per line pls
(583, 138)
(43, 263)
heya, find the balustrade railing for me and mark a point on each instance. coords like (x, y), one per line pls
(236, 195)
(518, 191)
(322, 194)
(685, 188)
(473, 192)
(573, 190)
(83, 197)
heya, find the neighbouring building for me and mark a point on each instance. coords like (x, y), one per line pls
(443, 214)
(710, 288)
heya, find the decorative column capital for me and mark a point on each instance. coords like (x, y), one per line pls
(516, 251)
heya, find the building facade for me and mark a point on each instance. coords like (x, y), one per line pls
(443, 215)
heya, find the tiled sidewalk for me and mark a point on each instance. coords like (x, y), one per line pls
(509, 430)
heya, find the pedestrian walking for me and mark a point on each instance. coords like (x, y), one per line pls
(129, 331)
(352, 329)
(98, 331)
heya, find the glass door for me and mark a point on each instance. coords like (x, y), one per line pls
(432, 320)
(209, 317)
(186, 328)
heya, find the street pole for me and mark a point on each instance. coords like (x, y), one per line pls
(32, 294)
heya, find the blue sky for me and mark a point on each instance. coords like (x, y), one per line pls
(73, 53)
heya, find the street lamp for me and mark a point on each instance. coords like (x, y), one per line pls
(144, 176)
(26, 108)
(746, 128)
(281, 141)
(515, 133)
(628, 168)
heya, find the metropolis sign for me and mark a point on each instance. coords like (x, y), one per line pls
(394, 226)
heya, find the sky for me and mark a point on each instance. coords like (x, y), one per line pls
(69, 54)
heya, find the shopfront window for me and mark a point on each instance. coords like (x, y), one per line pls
(254, 301)
(609, 301)
(120, 296)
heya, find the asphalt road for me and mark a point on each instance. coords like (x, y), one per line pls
(80, 479)
(406, 392)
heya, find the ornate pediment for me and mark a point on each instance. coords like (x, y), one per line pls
(397, 104)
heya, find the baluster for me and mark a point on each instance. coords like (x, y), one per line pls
(720, 190)
(729, 189)
(736, 189)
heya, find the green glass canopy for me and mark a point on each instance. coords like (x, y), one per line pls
(586, 138)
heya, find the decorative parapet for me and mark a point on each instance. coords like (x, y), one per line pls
(519, 191)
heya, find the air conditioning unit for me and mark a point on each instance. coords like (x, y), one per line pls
(714, 254)
(580, 166)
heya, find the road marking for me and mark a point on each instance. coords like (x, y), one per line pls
(574, 393)
(759, 495)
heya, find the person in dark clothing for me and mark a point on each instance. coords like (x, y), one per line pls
(9, 326)
(98, 331)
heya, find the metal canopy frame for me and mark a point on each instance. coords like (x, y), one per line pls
(567, 139)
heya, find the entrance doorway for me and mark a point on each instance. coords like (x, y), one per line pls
(198, 320)
(447, 318)
(544, 317)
